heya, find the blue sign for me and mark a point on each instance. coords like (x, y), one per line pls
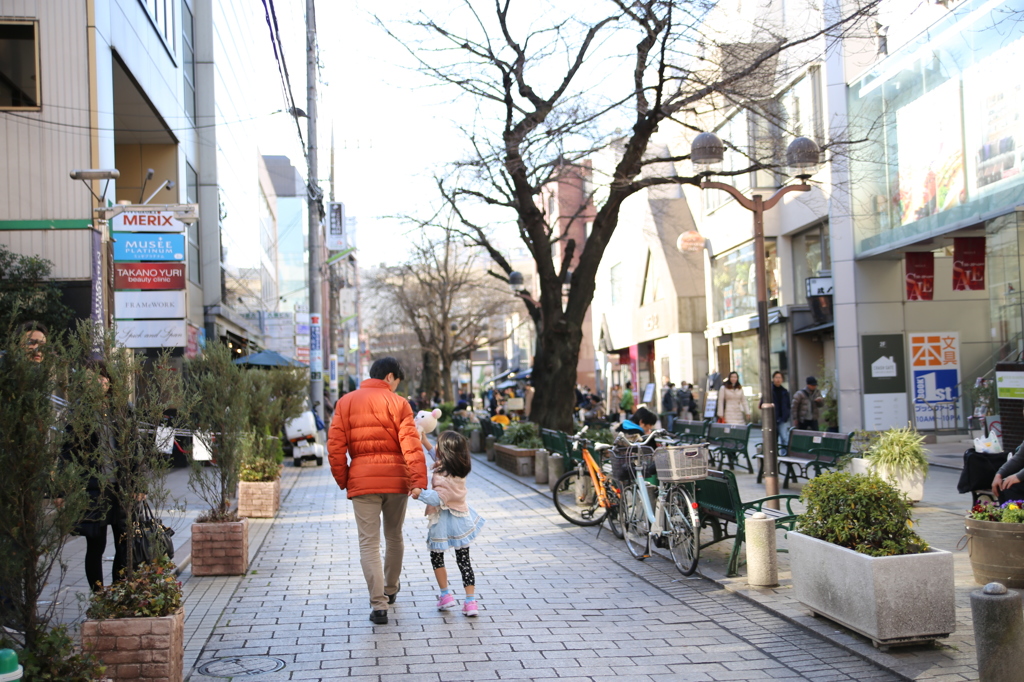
(146, 246)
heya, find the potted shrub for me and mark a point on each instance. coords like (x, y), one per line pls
(856, 560)
(136, 627)
(898, 456)
(220, 538)
(259, 479)
(517, 448)
(995, 543)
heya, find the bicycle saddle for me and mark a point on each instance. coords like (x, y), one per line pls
(601, 447)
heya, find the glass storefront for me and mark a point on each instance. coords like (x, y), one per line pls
(1003, 266)
(735, 281)
(811, 256)
(946, 135)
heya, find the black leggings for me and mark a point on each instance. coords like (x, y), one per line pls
(95, 534)
(461, 560)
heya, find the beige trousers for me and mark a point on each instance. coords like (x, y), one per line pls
(368, 509)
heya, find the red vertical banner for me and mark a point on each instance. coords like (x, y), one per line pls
(920, 276)
(968, 263)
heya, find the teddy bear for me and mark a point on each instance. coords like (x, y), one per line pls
(426, 422)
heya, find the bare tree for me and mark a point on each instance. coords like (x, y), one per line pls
(552, 92)
(444, 297)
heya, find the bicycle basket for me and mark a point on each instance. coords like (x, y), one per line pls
(625, 460)
(681, 463)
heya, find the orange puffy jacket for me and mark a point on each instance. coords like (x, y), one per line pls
(373, 445)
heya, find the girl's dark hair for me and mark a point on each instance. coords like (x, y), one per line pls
(99, 366)
(644, 416)
(453, 455)
(732, 385)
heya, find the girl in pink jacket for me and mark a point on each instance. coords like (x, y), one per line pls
(453, 523)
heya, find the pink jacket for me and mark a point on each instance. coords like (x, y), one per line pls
(452, 492)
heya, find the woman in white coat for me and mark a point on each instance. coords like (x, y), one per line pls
(732, 404)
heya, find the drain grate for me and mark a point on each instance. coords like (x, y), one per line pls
(241, 666)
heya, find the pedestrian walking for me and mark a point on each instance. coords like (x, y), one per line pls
(614, 398)
(783, 403)
(806, 406)
(453, 523)
(732, 404)
(683, 399)
(626, 401)
(376, 455)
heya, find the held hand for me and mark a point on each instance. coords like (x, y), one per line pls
(996, 483)
(415, 493)
(1009, 481)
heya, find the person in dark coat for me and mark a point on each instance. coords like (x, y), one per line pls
(1009, 481)
(783, 404)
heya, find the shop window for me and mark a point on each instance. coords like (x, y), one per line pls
(161, 13)
(735, 281)
(188, 53)
(19, 65)
(194, 265)
(811, 257)
(617, 284)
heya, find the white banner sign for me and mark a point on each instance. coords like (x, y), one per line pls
(151, 333)
(149, 221)
(149, 305)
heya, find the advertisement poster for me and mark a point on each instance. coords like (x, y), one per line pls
(143, 246)
(149, 276)
(1010, 385)
(920, 276)
(148, 305)
(191, 342)
(968, 263)
(994, 128)
(149, 221)
(316, 352)
(152, 333)
(884, 377)
(931, 164)
(934, 379)
(335, 226)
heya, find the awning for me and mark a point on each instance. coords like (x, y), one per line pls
(742, 323)
(506, 384)
(525, 374)
(815, 328)
(507, 374)
(268, 358)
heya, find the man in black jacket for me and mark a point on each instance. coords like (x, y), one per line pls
(781, 399)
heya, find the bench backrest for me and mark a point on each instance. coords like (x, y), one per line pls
(718, 495)
(555, 442)
(732, 434)
(690, 431)
(459, 422)
(823, 445)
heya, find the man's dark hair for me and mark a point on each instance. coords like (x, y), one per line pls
(33, 326)
(644, 416)
(385, 366)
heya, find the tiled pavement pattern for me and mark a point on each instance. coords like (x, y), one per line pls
(556, 603)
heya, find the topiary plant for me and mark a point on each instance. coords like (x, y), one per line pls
(862, 513)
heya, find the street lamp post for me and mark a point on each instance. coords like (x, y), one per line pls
(803, 158)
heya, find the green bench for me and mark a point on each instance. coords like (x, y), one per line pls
(728, 442)
(490, 428)
(719, 504)
(690, 431)
(809, 452)
(557, 443)
(459, 422)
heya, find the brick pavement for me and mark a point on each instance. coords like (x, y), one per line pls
(556, 602)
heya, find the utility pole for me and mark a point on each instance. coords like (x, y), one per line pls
(314, 196)
(333, 314)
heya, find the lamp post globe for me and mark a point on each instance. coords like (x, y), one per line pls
(515, 281)
(706, 153)
(803, 157)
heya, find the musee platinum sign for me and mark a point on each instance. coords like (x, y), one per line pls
(151, 333)
(148, 305)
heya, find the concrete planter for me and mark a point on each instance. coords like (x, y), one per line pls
(997, 552)
(519, 461)
(138, 648)
(912, 486)
(891, 600)
(259, 500)
(220, 548)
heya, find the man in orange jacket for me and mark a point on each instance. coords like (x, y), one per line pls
(376, 455)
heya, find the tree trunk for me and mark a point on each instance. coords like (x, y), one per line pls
(447, 395)
(430, 381)
(554, 377)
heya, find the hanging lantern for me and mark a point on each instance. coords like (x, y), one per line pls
(690, 241)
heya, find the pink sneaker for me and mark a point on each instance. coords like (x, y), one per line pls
(446, 602)
(469, 608)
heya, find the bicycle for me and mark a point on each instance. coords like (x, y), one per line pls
(586, 495)
(673, 521)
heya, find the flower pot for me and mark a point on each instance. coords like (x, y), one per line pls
(515, 459)
(912, 486)
(220, 548)
(996, 550)
(892, 600)
(138, 648)
(259, 500)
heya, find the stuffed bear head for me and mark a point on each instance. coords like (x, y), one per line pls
(426, 421)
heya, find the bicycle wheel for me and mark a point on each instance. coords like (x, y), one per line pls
(636, 524)
(614, 518)
(576, 500)
(684, 535)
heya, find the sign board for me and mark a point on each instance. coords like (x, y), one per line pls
(649, 393)
(316, 351)
(149, 276)
(1010, 385)
(152, 333)
(335, 226)
(332, 375)
(148, 305)
(144, 246)
(935, 378)
(149, 221)
(192, 342)
(818, 286)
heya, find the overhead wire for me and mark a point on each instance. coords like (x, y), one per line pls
(282, 68)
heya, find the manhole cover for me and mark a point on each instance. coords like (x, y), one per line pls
(239, 666)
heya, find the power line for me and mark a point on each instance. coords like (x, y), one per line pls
(282, 67)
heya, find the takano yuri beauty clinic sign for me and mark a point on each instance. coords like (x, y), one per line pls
(145, 246)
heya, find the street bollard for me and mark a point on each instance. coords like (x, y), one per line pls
(998, 632)
(556, 467)
(762, 559)
(540, 466)
(490, 448)
(474, 441)
(9, 668)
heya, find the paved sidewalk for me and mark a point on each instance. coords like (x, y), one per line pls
(556, 603)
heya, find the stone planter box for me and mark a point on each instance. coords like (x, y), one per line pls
(259, 500)
(997, 552)
(517, 460)
(912, 486)
(220, 548)
(138, 648)
(893, 600)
